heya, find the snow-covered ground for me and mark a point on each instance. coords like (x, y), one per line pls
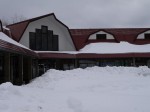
(96, 89)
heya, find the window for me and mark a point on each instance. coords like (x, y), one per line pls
(50, 40)
(44, 29)
(100, 36)
(55, 43)
(32, 40)
(43, 40)
(44, 37)
(147, 35)
(38, 39)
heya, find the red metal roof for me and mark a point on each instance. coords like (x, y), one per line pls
(80, 36)
(6, 46)
(91, 55)
(17, 29)
(56, 55)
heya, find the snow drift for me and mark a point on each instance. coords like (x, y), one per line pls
(96, 89)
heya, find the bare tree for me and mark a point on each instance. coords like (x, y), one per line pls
(5, 21)
(16, 18)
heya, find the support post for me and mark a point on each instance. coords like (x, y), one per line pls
(134, 64)
(30, 68)
(37, 69)
(20, 81)
(8, 77)
(57, 64)
(27, 69)
(76, 63)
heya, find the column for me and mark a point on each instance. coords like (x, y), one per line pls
(7, 74)
(20, 70)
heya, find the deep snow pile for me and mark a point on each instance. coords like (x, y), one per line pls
(96, 89)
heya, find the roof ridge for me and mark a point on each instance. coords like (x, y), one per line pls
(31, 19)
(105, 28)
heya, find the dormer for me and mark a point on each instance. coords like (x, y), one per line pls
(101, 35)
(144, 36)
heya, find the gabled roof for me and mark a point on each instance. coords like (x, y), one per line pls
(17, 29)
(80, 36)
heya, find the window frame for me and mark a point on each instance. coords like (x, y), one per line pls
(44, 40)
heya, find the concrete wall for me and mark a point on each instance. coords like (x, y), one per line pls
(141, 36)
(65, 41)
(108, 36)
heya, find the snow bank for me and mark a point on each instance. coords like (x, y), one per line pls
(96, 89)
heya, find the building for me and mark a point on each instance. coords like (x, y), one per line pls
(15, 61)
(30, 47)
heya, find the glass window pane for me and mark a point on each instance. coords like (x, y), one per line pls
(147, 36)
(38, 39)
(100, 36)
(32, 40)
(55, 42)
(50, 40)
(44, 29)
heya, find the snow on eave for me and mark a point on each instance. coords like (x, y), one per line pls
(66, 52)
(5, 28)
(4, 37)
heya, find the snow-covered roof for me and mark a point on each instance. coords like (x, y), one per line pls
(4, 27)
(4, 37)
(111, 48)
(108, 48)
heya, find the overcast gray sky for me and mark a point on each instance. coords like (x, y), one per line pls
(83, 13)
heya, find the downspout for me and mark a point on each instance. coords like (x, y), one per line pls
(1, 26)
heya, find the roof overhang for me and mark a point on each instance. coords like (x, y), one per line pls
(9, 45)
(92, 55)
